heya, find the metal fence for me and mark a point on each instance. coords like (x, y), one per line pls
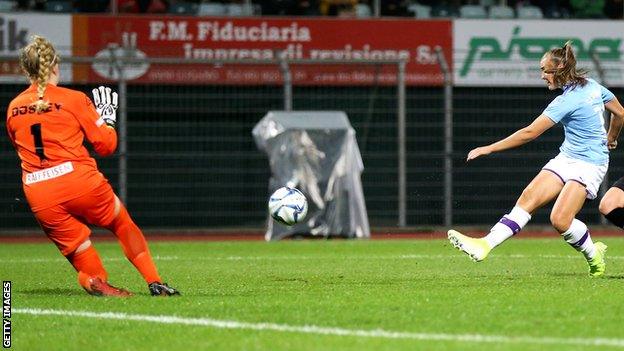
(186, 158)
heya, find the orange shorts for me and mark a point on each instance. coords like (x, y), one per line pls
(66, 223)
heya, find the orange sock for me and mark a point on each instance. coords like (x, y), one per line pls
(134, 245)
(88, 264)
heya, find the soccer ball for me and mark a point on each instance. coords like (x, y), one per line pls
(288, 206)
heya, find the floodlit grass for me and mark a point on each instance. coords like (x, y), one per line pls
(529, 294)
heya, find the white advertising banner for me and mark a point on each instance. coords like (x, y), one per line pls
(15, 33)
(507, 52)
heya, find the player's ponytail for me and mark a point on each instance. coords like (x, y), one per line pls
(37, 59)
(565, 66)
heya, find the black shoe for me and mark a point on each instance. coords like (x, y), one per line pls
(162, 289)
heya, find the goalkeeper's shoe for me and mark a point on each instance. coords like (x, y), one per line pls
(477, 249)
(98, 287)
(162, 289)
(597, 265)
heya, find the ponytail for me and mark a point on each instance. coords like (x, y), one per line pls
(564, 61)
(37, 60)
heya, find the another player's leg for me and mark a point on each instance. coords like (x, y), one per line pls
(136, 250)
(612, 204)
(575, 232)
(615, 216)
(544, 187)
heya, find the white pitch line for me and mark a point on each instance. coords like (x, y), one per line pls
(312, 329)
(269, 258)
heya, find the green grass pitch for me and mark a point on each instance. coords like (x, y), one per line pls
(530, 294)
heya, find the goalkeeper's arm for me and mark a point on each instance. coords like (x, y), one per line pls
(96, 130)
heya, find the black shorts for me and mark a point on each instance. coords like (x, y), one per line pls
(619, 183)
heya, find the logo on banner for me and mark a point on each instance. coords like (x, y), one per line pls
(12, 37)
(114, 57)
(532, 48)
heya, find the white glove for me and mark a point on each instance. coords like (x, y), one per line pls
(106, 102)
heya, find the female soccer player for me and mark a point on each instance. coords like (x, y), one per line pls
(570, 177)
(47, 125)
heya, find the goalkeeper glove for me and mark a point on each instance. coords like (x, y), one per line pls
(106, 102)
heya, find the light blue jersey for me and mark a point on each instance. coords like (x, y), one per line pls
(580, 110)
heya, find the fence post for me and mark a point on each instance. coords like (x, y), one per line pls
(448, 137)
(123, 137)
(377, 8)
(287, 83)
(122, 128)
(401, 123)
(606, 115)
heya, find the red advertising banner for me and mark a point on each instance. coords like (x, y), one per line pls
(264, 38)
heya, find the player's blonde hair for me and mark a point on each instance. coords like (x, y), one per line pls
(37, 60)
(568, 73)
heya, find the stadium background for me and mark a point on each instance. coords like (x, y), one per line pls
(192, 163)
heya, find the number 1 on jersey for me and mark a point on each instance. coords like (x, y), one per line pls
(35, 130)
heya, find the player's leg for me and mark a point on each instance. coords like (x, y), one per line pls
(540, 191)
(612, 204)
(86, 261)
(71, 236)
(136, 250)
(103, 208)
(575, 232)
(543, 189)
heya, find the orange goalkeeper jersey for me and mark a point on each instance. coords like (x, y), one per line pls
(56, 166)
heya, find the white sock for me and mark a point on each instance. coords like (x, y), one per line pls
(509, 225)
(578, 237)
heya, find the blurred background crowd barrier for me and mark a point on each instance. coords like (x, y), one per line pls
(419, 93)
(496, 9)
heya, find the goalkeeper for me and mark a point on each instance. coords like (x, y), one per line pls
(47, 125)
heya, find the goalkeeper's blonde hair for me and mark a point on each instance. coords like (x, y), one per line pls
(37, 60)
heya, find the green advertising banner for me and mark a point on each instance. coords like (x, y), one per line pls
(507, 52)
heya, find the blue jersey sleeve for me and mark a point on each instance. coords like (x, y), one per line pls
(557, 109)
(607, 95)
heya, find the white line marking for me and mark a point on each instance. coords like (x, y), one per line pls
(312, 329)
(319, 257)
